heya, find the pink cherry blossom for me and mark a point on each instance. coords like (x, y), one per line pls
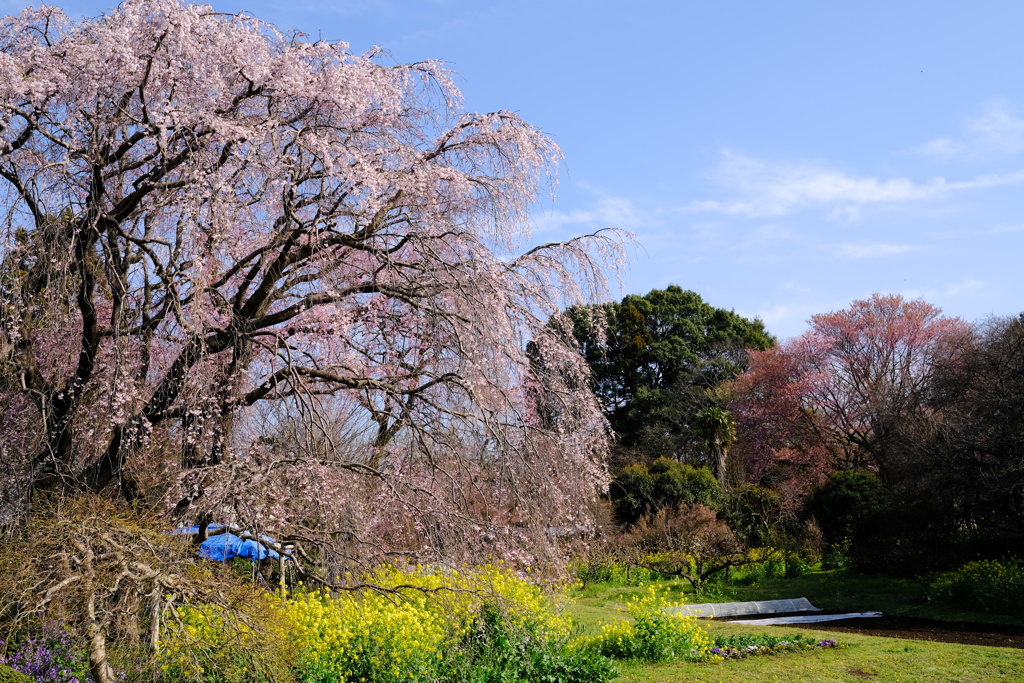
(824, 400)
(284, 284)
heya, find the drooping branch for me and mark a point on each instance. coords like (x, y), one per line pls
(212, 268)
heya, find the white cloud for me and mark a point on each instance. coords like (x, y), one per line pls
(968, 284)
(943, 148)
(995, 132)
(845, 214)
(766, 189)
(610, 212)
(1000, 229)
(1000, 129)
(860, 251)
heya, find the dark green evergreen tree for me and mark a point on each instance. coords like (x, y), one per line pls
(640, 490)
(663, 356)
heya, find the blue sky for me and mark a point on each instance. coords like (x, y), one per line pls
(780, 158)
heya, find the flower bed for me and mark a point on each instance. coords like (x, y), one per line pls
(737, 647)
(412, 624)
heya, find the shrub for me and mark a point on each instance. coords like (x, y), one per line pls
(755, 514)
(213, 644)
(835, 556)
(425, 624)
(655, 633)
(846, 504)
(644, 490)
(770, 563)
(796, 567)
(492, 652)
(9, 675)
(613, 572)
(988, 585)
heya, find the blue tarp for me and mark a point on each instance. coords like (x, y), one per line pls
(227, 545)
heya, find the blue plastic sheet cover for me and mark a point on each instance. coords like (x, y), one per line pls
(225, 546)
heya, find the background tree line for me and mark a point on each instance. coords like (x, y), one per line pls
(887, 433)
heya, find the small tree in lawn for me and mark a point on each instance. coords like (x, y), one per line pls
(690, 542)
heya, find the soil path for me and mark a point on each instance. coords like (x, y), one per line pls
(889, 626)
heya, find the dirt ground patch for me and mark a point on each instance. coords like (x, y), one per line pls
(889, 626)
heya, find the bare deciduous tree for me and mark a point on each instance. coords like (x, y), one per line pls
(690, 542)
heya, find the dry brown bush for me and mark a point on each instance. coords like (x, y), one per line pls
(689, 542)
(115, 579)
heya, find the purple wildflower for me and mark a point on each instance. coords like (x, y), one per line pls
(51, 658)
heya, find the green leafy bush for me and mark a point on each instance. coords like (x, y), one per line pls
(614, 572)
(846, 504)
(796, 567)
(835, 556)
(9, 675)
(644, 490)
(989, 585)
(755, 514)
(492, 651)
(655, 633)
(768, 563)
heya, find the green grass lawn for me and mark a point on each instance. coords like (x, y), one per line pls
(838, 589)
(863, 658)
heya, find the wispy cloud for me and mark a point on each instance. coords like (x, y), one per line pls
(862, 251)
(995, 132)
(1000, 129)
(777, 315)
(609, 212)
(968, 284)
(766, 189)
(845, 214)
(941, 148)
(1000, 229)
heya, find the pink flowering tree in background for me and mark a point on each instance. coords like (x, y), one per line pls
(777, 437)
(273, 283)
(830, 398)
